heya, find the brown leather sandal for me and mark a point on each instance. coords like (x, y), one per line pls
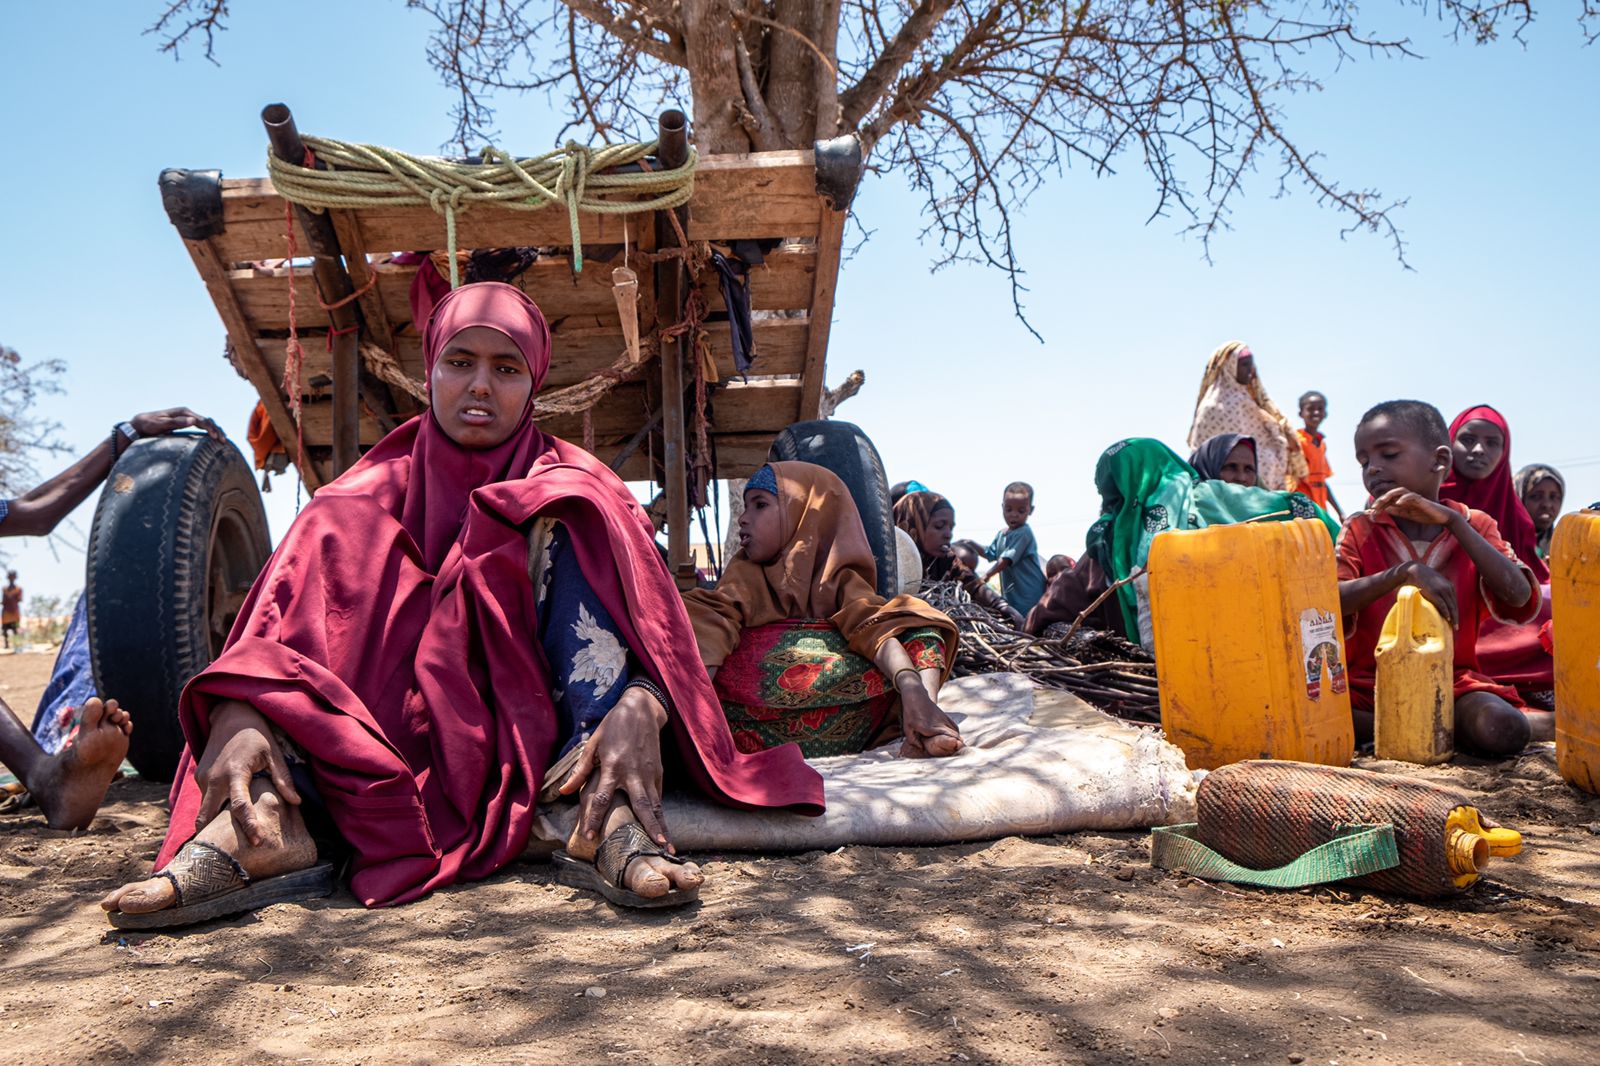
(210, 883)
(607, 874)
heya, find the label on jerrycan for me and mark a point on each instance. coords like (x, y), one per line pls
(1319, 647)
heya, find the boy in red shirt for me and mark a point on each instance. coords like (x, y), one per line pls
(1313, 412)
(1455, 555)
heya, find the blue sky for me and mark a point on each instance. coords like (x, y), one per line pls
(1496, 148)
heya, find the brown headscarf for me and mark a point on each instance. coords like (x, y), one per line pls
(825, 571)
(914, 514)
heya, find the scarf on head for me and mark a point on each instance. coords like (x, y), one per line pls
(1209, 459)
(1495, 495)
(1145, 490)
(1225, 406)
(392, 639)
(914, 514)
(1524, 481)
(825, 571)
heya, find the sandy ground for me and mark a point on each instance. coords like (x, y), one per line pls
(1062, 949)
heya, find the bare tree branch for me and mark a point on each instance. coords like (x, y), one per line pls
(863, 96)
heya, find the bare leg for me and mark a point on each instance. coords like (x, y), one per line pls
(1541, 724)
(1487, 724)
(70, 785)
(285, 847)
(648, 876)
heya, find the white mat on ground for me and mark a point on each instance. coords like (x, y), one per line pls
(1037, 761)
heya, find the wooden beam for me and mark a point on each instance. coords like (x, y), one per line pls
(242, 337)
(830, 244)
(760, 194)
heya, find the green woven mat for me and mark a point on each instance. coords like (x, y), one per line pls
(1357, 851)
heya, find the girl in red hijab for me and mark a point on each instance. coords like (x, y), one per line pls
(387, 672)
(1481, 478)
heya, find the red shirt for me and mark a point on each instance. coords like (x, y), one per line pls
(1371, 544)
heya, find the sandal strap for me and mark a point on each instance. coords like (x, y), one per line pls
(627, 842)
(202, 871)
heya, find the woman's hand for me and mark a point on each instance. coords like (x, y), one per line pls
(929, 732)
(241, 745)
(623, 755)
(1403, 503)
(1436, 589)
(160, 423)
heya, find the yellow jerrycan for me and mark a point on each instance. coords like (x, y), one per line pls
(1575, 609)
(1249, 646)
(1414, 717)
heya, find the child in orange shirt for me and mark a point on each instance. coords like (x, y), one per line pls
(1454, 554)
(1313, 411)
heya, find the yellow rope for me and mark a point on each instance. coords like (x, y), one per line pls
(368, 175)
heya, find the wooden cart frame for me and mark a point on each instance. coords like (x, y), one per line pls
(352, 294)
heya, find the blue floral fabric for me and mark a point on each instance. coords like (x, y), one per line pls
(71, 683)
(589, 663)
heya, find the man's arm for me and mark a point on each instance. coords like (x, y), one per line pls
(36, 513)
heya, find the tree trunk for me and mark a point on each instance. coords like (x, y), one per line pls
(792, 71)
(708, 36)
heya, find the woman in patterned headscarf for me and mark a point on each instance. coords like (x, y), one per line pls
(1233, 400)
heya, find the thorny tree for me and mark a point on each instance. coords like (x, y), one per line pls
(977, 102)
(23, 433)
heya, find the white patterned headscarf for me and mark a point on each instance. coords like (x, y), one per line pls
(1225, 406)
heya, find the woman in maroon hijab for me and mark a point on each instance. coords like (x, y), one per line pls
(386, 675)
(1480, 477)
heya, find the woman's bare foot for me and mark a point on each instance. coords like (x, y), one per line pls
(647, 876)
(929, 732)
(70, 786)
(285, 847)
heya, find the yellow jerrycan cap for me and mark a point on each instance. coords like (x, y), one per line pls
(1468, 845)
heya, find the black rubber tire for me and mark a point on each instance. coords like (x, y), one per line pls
(179, 536)
(848, 452)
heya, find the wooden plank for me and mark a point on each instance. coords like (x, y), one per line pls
(353, 242)
(785, 282)
(761, 194)
(738, 455)
(250, 355)
(740, 414)
(830, 243)
(581, 349)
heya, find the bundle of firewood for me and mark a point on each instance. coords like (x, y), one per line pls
(1100, 668)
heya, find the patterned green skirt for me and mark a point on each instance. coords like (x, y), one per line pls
(798, 682)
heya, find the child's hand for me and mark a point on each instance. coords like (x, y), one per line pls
(1435, 587)
(1403, 503)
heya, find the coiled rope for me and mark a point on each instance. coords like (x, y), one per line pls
(369, 175)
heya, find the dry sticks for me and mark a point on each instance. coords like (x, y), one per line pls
(1100, 668)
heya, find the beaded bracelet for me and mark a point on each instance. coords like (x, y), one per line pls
(652, 688)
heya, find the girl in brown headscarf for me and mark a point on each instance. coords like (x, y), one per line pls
(799, 644)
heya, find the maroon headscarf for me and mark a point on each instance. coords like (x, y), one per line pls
(1495, 495)
(392, 640)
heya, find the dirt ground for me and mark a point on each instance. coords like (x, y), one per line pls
(1062, 949)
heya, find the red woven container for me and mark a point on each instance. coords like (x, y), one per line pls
(1263, 814)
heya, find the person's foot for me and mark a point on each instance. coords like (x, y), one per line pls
(929, 732)
(70, 786)
(285, 847)
(1541, 724)
(647, 875)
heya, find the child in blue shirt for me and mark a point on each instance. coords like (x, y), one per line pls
(1015, 552)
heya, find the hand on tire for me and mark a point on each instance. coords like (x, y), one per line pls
(160, 423)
